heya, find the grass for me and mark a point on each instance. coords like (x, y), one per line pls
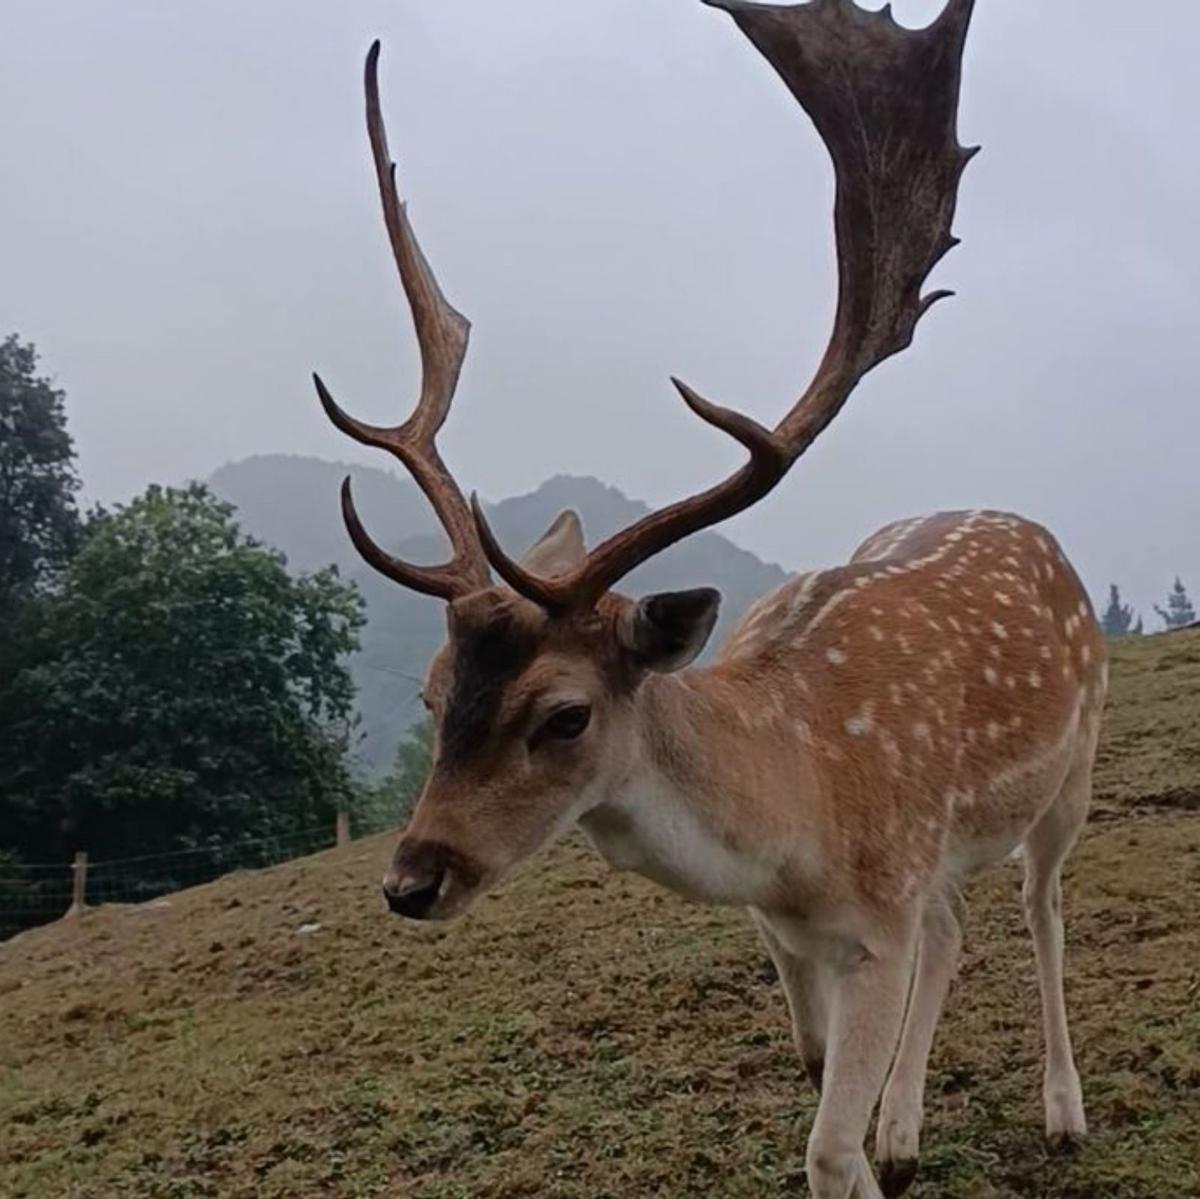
(584, 1034)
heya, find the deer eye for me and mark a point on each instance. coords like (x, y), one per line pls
(566, 724)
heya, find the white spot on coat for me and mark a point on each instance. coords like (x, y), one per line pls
(860, 725)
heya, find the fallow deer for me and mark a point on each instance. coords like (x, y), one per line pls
(870, 736)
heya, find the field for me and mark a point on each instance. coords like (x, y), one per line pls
(583, 1034)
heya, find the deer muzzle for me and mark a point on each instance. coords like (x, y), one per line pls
(430, 881)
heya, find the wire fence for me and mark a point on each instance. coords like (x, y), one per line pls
(37, 893)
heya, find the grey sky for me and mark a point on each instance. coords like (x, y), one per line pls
(613, 191)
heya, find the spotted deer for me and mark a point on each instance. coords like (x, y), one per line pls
(870, 736)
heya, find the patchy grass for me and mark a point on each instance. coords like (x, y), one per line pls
(584, 1034)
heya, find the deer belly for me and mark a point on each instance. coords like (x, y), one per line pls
(991, 820)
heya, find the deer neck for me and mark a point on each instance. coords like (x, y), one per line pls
(719, 799)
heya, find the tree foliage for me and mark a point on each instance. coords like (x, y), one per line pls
(178, 688)
(1118, 618)
(38, 518)
(1179, 612)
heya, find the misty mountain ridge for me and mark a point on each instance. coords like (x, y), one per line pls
(291, 503)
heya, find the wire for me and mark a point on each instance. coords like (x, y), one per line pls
(27, 900)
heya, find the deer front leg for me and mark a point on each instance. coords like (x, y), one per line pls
(806, 985)
(897, 1138)
(868, 1008)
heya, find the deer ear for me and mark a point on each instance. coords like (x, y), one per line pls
(667, 632)
(559, 549)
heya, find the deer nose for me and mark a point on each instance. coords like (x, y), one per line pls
(413, 894)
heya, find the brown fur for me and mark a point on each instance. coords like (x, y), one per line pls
(876, 709)
(870, 735)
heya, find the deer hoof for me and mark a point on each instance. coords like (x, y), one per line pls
(897, 1150)
(895, 1177)
(1066, 1124)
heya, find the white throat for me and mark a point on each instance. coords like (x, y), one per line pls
(652, 828)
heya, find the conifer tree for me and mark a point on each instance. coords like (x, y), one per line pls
(1179, 612)
(1118, 618)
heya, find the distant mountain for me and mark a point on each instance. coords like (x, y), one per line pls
(291, 503)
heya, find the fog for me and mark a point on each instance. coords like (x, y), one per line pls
(614, 191)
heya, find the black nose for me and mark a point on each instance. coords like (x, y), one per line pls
(413, 895)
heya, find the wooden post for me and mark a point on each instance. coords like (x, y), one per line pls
(79, 885)
(343, 828)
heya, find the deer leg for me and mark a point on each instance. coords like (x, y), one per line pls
(897, 1138)
(1046, 849)
(806, 984)
(868, 1009)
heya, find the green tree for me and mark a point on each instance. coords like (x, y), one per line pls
(1179, 612)
(38, 518)
(1117, 620)
(397, 794)
(178, 689)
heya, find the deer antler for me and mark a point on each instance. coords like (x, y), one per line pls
(885, 102)
(442, 334)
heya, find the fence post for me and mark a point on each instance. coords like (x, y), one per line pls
(79, 884)
(343, 828)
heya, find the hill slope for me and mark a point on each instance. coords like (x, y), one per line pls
(291, 503)
(585, 1035)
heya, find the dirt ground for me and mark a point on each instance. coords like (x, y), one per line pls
(585, 1035)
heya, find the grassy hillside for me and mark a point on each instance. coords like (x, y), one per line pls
(585, 1035)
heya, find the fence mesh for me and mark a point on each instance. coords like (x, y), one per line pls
(32, 894)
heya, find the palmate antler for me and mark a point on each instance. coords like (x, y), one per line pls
(442, 334)
(885, 102)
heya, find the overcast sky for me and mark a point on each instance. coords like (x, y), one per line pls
(613, 191)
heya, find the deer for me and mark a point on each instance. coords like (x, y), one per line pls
(869, 737)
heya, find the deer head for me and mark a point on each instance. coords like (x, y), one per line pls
(534, 693)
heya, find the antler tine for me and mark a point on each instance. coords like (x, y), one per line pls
(442, 336)
(885, 102)
(658, 530)
(442, 331)
(441, 582)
